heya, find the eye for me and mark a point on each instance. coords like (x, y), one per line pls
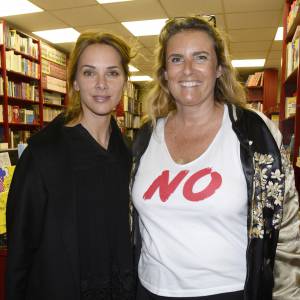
(88, 73)
(176, 59)
(200, 57)
(113, 73)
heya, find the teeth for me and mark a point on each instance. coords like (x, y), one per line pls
(189, 83)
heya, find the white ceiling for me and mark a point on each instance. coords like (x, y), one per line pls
(250, 24)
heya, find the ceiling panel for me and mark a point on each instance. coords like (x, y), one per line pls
(249, 24)
(149, 41)
(115, 28)
(84, 16)
(178, 8)
(249, 55)
(60, 4)
(250, 46)
(253, 5)
(244, 35)
(136, 10)
(276, 46)
(36, 21)
(253, 20)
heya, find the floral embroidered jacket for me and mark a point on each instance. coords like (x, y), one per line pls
(273, 251)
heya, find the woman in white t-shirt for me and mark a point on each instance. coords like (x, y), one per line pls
(210, 183)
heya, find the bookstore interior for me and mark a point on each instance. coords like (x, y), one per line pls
(37, 36)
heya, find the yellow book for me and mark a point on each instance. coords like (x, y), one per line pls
(6, 174)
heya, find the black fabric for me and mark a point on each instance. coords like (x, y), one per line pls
(97, 172)
(144, 294)
(42, 224)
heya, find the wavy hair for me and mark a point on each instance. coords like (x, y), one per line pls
(86, 39)
(227, 88)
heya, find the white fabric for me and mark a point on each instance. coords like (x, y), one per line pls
(194, 243)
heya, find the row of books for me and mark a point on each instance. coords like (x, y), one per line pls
(131, 91)
(54, 69)
(23, 90)
(17, 63)
(292, 53)
(50, 113)
(19, 137)
(1, 86)
(18, 41)
(53, 54)
(131, 121)
(290, 106)
(132, 105)
(294, 11)
(54, 84)
(255, 79)
(22, 115)
(53, 98)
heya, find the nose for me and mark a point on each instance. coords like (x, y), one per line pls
(188, 66)
(101, 82)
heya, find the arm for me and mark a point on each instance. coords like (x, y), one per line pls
(287, 259)
(24, 217)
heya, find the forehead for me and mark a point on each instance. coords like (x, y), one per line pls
(190, 40)
(100, 53)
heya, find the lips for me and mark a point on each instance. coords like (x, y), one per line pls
(101, 98)
(191, 83)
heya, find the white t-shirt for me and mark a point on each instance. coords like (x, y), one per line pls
(193, 218)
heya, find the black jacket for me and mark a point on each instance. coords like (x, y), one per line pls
(265, 165)
(43, 258)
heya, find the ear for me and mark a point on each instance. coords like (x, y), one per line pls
(219, 71)
(76, 86)
(166, 75)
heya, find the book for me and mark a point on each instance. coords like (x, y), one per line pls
(6, 174)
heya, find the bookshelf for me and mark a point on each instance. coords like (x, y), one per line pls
(20, 85)
(290, 83)
(129, 111)
(32, 84)
(54, 86)
(262, 92)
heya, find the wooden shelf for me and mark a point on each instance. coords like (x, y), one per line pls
(290, 87)
(25, 55)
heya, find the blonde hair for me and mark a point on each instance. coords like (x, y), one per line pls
(86, 39)
(227, 88)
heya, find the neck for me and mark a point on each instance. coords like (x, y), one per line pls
(99, 128)
(201, 116)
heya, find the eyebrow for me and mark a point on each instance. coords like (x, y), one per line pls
(201, 52)
(93, 67)
(194, 53)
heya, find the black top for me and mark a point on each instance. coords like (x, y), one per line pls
(101, 179)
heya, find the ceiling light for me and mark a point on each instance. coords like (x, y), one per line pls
(146, 27)
(17, 7)
(243, 63)
(279, 34)
(63, 35)
(111, 1)
(140, 78)
(133, 69)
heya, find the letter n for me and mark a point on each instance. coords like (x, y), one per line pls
(165, 188)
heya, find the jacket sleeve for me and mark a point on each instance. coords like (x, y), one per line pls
(24, 217)
(287, 259)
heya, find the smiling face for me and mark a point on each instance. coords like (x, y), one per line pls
(100, 80)
(191, 68)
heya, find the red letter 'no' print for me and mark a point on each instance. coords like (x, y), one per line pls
(166, 188)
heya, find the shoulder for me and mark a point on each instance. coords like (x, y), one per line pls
(142, 139)
(49, 134)
(254, 122)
